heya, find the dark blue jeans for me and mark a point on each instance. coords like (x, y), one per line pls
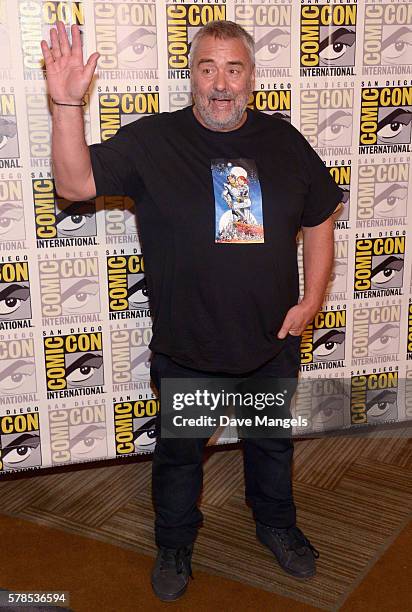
(177, 470)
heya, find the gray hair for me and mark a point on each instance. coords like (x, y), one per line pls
(223, 30)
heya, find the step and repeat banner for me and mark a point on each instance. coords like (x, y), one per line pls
(74, 313)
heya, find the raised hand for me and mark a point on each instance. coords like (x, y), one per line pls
(68, 79)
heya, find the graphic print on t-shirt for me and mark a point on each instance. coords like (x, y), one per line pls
(238, 201)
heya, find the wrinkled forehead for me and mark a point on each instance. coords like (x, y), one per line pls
(218, 50)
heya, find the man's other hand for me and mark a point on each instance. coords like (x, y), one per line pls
(297, 318)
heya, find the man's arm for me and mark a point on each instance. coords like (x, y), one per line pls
(72, 168)
(68, 80)
(317, 264)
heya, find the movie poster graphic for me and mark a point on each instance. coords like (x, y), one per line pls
(238, 201)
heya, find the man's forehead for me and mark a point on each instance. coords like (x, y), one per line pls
(211, 48)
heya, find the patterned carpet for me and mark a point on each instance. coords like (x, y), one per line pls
(353, 495)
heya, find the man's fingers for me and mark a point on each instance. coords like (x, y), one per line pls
(64, 41)
(76, 41)
(48, 58)
(90, 67)
(55, 45)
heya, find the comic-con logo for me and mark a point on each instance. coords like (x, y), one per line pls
(385, 121)
(117, 110)
(131, 358)
(342, 176)
(336, 289)
(77, 434)
(20, 444)
(379, 266)
(273, 102)
(36, 18)
(182, 22)
(374, 398)
(387, 39)
(74, 364)
(376, 331)
(119, 219)
(323, 341)
(128, 295)
(9, 140)
(326, 119)
(15, 301)
(323, 402)
(327, 39)
(12, 228)
(134, 426)
(60, 222)
(270, 28)
(126, 39)
(69, 289)
(382, 194)
(5, 47)
(17, 370)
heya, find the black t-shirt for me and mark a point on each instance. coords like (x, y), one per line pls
(218, 214)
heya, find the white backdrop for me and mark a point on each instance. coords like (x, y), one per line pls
(74, 316)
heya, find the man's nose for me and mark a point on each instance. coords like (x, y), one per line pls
(220, 80)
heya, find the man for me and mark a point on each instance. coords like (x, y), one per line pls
(207, 321)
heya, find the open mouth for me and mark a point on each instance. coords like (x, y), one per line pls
(221, 104)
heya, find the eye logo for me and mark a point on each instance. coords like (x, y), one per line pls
(136, 48)
(269, 26)
(15, 301)
(326, 117)
(69, 286)
(78, 434)
(20, 441)
(338, 48)
(60, 222)
(386, 119)
(379, 265)
(382, 191)
(74, 365)
(135, 426)
(376, 332)
(127, 285)
(323, 341)
(327, 39)
(126, 38)
(387, 38)
(374, 398)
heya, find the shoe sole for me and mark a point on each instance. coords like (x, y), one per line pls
(288, 571)
(167, 596)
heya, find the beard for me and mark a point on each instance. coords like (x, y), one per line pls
(216, 119)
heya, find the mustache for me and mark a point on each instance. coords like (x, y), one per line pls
(220, 95)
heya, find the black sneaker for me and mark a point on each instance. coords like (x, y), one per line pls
(171, 572)
(294, 552)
